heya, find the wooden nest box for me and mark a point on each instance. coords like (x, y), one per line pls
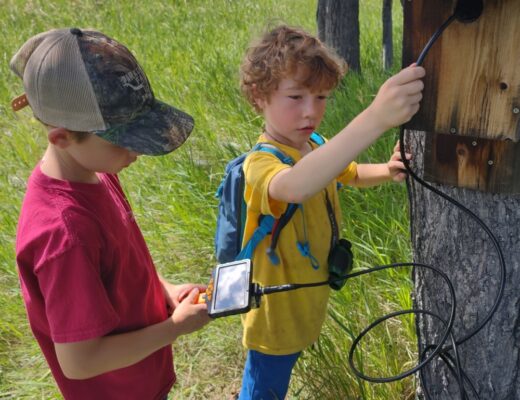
(471, 104)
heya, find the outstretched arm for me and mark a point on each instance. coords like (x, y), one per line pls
(396, 102)
(375, 174)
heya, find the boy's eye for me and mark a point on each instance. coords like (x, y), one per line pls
(295, 97)
(323, 97)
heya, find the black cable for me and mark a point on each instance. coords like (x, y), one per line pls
(433, 39)
(476, 219)
(436, 350)
(491, 237)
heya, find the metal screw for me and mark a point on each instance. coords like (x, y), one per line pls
(516, 110)
(453, 130)
(490, 162)
(474, 143)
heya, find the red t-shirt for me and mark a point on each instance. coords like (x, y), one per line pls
(85, 272)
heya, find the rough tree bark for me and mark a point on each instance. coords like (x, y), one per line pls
(445, 237)
(338, 26)
(388, 48)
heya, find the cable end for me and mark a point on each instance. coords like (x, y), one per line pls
(273, 257)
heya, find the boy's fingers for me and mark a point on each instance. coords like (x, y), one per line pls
(182, 294)
(397, 157)
(397, 165)
(408, 75)
(191, 295)
(415, 98)
(414, 87)
(400, 177)
(413, 110)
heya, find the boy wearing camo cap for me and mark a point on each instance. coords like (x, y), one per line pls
(100, 312)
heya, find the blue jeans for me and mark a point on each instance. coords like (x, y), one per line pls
(266, 377)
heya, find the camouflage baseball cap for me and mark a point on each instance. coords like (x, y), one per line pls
(84, 81)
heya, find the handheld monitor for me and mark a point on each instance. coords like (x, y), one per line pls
(229, 290)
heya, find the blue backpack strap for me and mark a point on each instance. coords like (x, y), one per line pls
(262, 230)
(269, 148)
(267, 222)
(317, 138)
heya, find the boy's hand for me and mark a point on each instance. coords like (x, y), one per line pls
(188, 317)
(396, 166)
(176, 293)
(398, 98)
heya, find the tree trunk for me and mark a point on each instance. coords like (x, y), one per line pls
(446, 237)
(338, 27)
(388, 48)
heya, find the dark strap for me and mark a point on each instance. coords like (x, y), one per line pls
(318, 139)
(333, 222)
(280, 224)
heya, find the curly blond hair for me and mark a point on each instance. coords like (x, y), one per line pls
(279, 54)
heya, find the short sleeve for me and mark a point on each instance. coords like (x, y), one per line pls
(76, 302)
(348, 173)
(259, 168)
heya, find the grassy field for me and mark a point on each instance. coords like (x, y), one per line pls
(191, 50)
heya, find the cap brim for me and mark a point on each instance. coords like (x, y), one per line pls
(158, 131)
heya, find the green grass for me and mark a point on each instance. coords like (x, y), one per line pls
(191, 51)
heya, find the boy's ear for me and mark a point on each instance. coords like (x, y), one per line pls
(59, 137)
(260, 103)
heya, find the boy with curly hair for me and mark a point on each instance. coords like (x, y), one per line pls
(287, 76)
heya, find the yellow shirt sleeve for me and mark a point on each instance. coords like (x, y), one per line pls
(348, 173)
(259, 168)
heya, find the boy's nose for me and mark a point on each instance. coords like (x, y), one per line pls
(309, 109)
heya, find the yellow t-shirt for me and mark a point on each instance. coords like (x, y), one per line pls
(290, 321)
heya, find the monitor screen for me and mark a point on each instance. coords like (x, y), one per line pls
(232, 286)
